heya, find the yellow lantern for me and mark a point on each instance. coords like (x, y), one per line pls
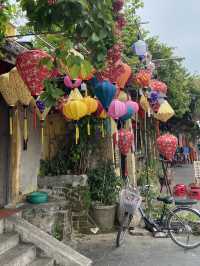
(144, 103)
(74, 110)
(123, 96)
(165, 112)
(92, 106)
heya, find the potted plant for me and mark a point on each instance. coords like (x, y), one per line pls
(104, 189)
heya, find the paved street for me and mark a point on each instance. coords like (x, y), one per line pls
(143, 250)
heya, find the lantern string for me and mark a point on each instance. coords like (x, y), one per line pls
(11, 121)
(102, 129)
(42, 131)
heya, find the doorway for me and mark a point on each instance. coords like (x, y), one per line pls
(4, 152)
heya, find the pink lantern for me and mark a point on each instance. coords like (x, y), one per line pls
(72, 85)
(133, 105)
(32, 71)
(117, 109)
(167, 145)
(157, 85)
(125, 140)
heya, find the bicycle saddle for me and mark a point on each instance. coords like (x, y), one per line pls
(166, 199)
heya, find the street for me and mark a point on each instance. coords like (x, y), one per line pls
(141, 250)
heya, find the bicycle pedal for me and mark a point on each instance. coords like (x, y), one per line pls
(160, 235)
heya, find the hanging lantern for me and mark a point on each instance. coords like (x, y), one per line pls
(143, 78)
(123, 76)
(140, 48)
(133, 105)
(144, 103)
(72, 85)
(165, 112)
(124, 138)
(74, 110)
(128, 114)
(92, 106)
(32, 71)
(157, 85)
(105, 92)
(167, 145)
(10, 96)
(117, 109)
(24, 97)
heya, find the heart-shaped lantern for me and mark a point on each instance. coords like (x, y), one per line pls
(143, 78)
(167, 145)
(32, 71)
(124, 139)
(117, 109)
(157, 85)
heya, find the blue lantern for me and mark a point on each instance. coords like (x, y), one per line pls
(128, 115)
(105, 92)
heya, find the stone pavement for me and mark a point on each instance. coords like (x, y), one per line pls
(141, 250)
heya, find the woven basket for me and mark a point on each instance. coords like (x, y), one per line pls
(8, 92)
(16, 83)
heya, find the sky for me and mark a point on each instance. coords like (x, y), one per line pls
(177, 23)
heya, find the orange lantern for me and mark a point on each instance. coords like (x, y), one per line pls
(92, 106)
(143, 78)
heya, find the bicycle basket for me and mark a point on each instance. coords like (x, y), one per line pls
(129, 201)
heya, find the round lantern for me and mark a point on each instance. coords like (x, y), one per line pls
(92, 106)
(105, 92)
(143, 78)
(167, 145)
(124, 140)
(74, 110)
(157, 85)
(124, 76)
(133, 105)
(140, 48)
(122, 96)
(117, 109)
(32, 71)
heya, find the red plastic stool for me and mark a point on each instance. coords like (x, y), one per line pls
(194, 191)
(180, 190)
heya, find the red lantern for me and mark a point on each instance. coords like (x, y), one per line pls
(143, 78)
(32, 72)
(125, 140)
(167, 145)
(157, 85)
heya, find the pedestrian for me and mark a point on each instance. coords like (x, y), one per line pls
(186, 154)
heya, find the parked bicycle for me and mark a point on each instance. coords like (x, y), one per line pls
(181, 223)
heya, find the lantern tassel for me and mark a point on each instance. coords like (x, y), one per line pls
(25, 128)
(88, 128)
(102, 129)
(42, 132)
(11, 121)
(77, 134)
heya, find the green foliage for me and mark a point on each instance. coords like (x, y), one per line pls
(5, 13)
(104, 184)
(89, 22)
(51, 94)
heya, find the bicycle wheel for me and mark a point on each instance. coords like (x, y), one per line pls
(123, 229)
(184, 227)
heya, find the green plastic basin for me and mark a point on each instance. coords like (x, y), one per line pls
(37, 197)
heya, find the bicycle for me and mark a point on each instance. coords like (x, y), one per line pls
(181, 222)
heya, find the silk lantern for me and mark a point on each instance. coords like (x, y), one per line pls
(143, 78)
(124, 140)
(122, 96)
(92, 106)
(101, 113)
(128, 114)
(72, 85)
(105, 92)
(32, 71)
(124, 76)
(159, 86)
(74, 110)
(165, 112)
(10, 96)
(24, 97)
(117, 109)
(133, 105)
(140, 48)
(167, 145)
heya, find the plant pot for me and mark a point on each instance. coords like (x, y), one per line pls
(104, 216)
